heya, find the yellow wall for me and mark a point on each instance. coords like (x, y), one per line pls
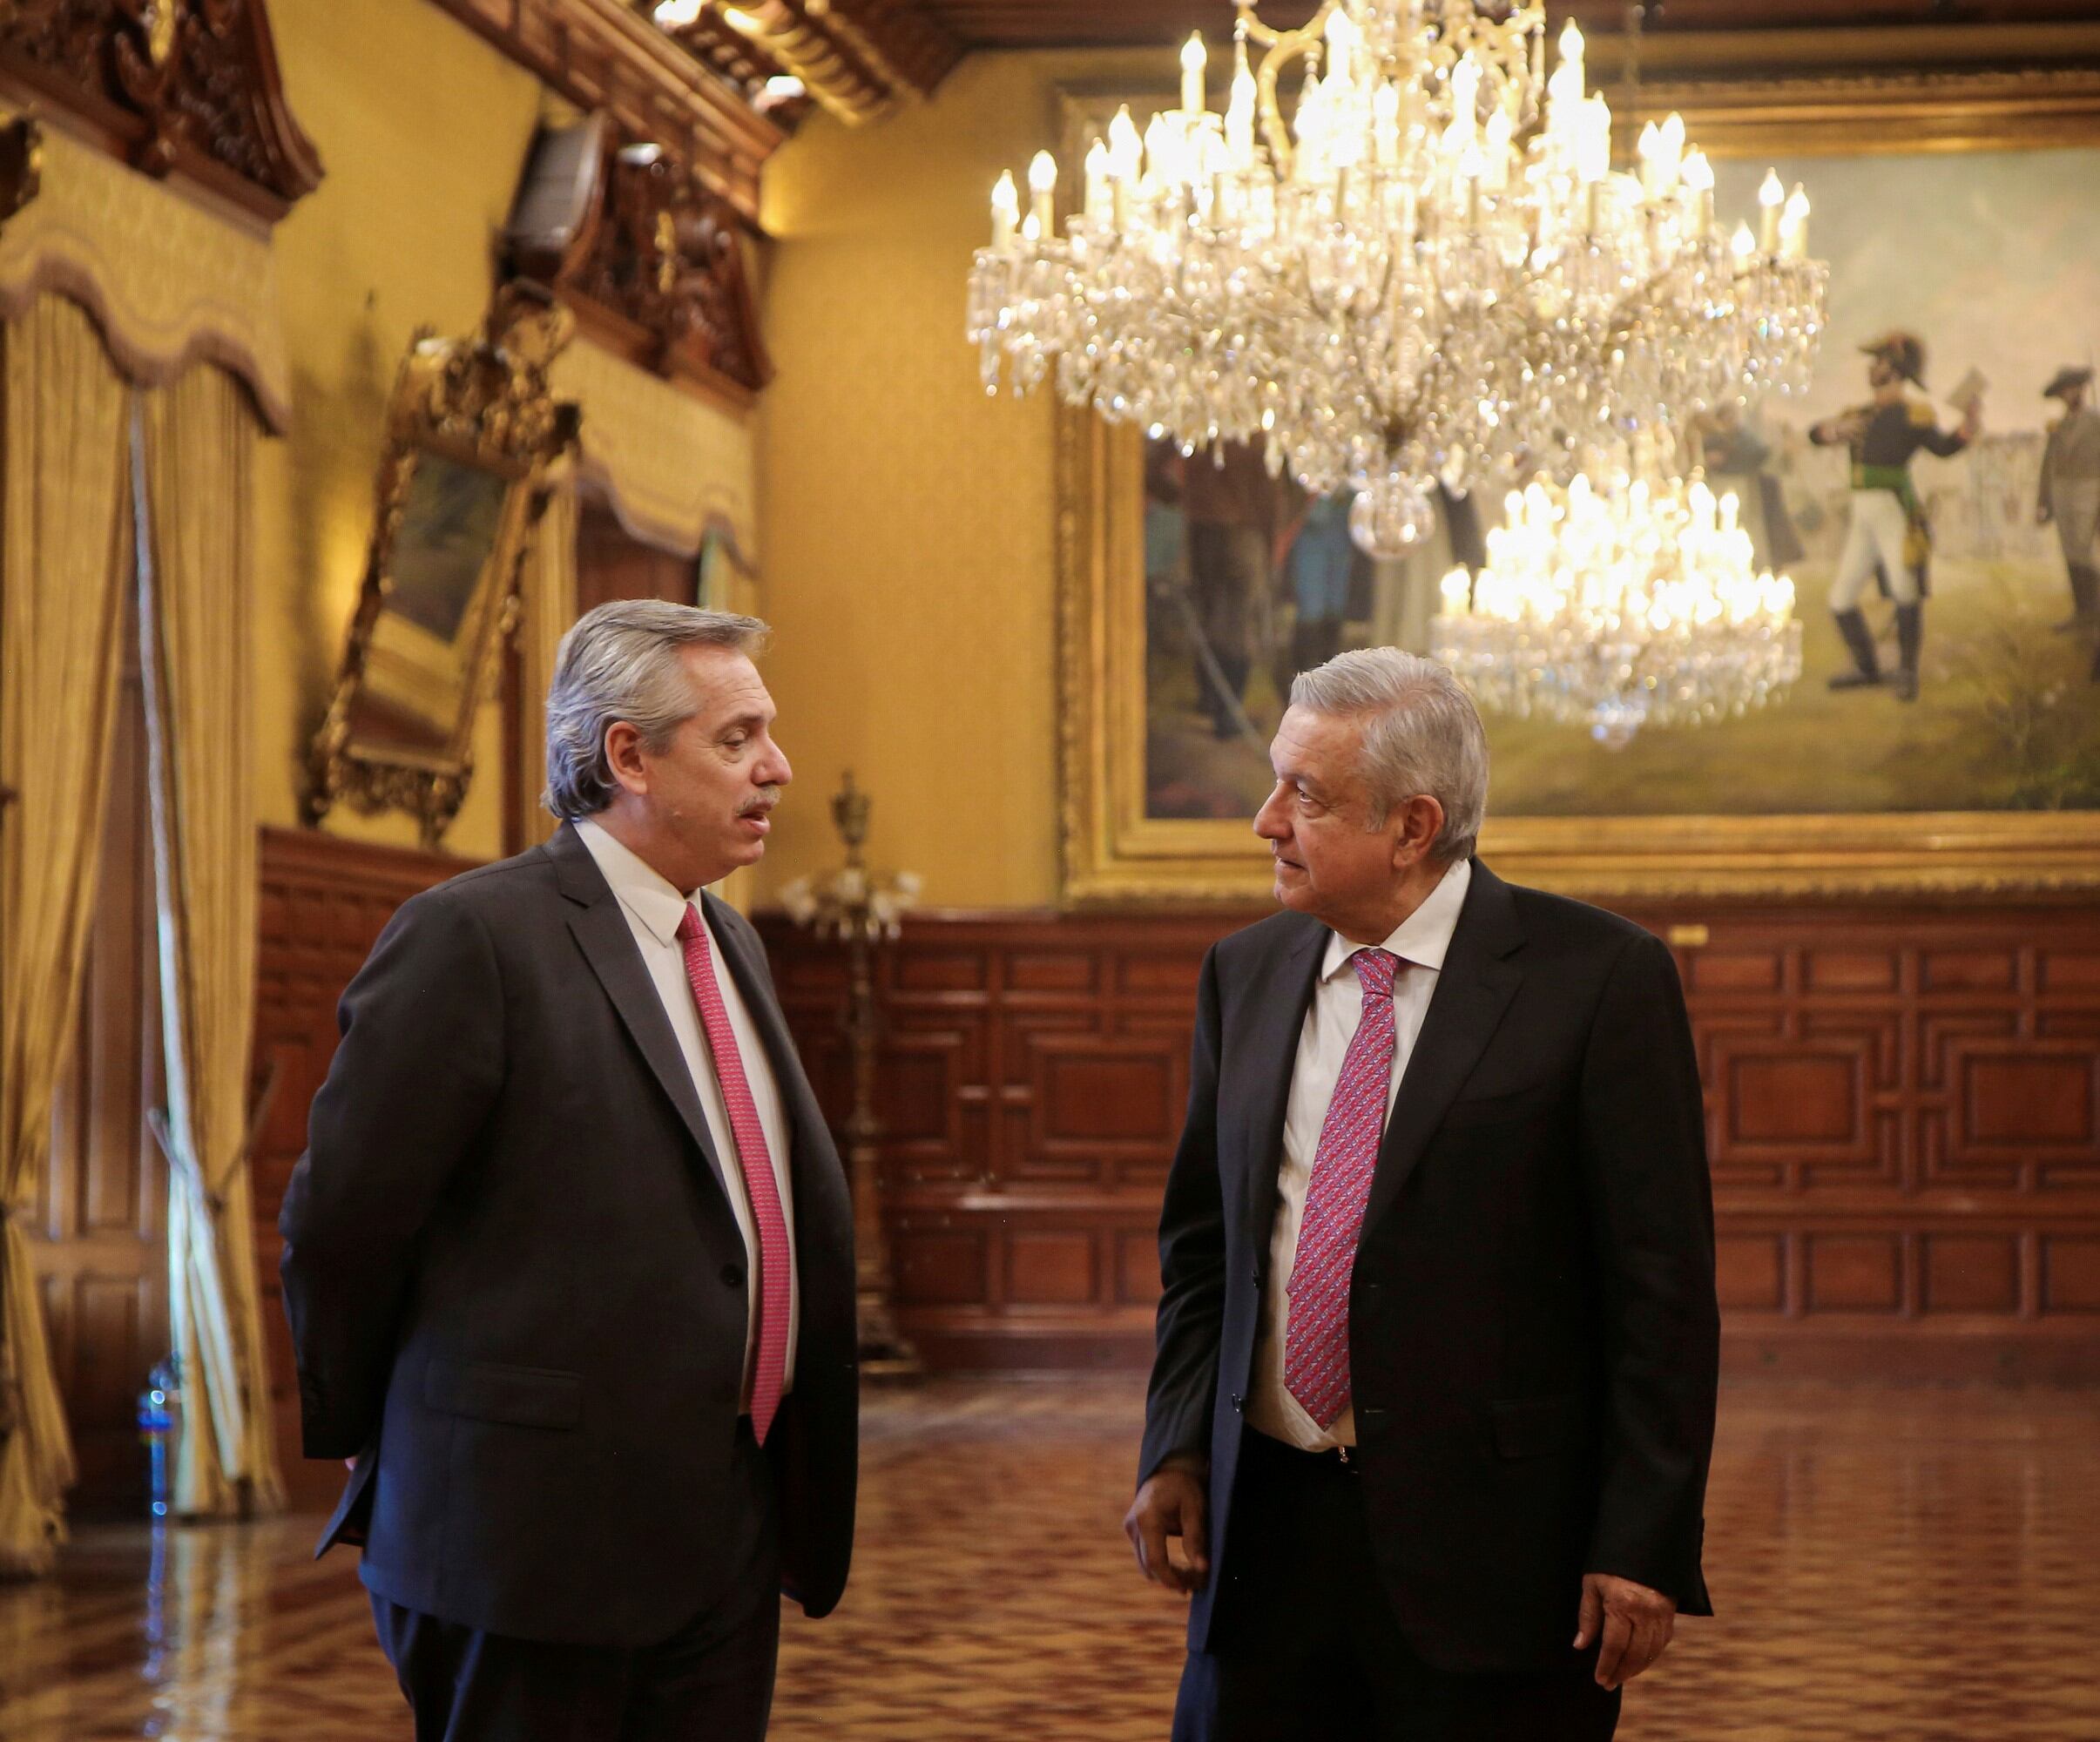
(423, 129)
(907, 521)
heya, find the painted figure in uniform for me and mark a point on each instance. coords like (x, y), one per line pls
(2070, 489)
(1888, 528)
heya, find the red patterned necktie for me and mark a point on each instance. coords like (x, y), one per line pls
(1316, 1339)
(776, 1271)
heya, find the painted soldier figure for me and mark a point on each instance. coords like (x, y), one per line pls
(2070, 489)
(1888, 529)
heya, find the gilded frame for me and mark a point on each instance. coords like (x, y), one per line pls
(1952, 89)
(482, 402)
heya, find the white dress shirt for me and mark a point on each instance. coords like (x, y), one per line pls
(1421, 943)
(654, 909)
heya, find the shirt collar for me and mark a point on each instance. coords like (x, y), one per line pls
(644, 891)
(1423, 938)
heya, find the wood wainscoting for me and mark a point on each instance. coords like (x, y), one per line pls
(324, 903)
(1903, 1108)
(1904, 1112)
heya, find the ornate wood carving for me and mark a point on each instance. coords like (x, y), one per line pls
(1903, 1110)
(187, 87)
(608, 55)
(855, 57)
(650, 260)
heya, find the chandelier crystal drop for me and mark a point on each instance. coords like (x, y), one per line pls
(1430, 272)
(1638, 606)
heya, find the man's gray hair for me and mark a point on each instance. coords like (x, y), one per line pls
(1422, 735)
(621, 662)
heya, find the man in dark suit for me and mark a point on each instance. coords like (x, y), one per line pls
(1434, 1398)
(569, 1259)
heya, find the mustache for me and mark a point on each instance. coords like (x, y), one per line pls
(760, 802)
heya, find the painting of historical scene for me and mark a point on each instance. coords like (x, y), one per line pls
(1935, 496)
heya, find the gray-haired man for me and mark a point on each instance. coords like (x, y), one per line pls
(1434, 1392)
(569, 1258)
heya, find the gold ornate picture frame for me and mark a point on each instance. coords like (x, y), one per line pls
(472, 429)
(1951, 90)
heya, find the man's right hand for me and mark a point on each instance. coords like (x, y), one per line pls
(1173, 1503)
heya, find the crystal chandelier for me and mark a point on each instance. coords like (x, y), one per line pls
(1431, 271)
(1637, 606)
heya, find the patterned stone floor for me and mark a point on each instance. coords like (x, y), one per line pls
(1893, 1566)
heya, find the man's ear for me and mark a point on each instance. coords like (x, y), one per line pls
(1420, 819)
(623, 757)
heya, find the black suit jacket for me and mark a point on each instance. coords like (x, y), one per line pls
(1533, 1332)
(517, 1286)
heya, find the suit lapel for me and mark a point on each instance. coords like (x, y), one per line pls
(1263, 1053)
(601, 931)
(1473, 989)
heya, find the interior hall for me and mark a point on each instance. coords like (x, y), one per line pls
(702, 702)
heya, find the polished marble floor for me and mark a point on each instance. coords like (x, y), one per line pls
(1911, 1566)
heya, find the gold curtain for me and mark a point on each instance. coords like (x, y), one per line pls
(196, 499)
(549, 609)
(65, 557)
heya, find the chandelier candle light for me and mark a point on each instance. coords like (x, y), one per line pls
(1637, 606)
(1431, 271)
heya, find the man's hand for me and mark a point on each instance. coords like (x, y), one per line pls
(1636, 1625)
(1172, 1504)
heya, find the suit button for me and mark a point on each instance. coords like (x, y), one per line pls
(733, 1274)
(1239, 1401)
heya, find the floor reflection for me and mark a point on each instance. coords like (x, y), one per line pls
(1891, 1566)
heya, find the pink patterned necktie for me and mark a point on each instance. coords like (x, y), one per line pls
(776, 1271)
(1316, 1339)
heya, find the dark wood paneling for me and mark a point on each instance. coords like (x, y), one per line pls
(324, 903)
(1903, 1121)
(612, 563)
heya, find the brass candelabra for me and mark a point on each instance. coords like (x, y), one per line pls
(862, 912)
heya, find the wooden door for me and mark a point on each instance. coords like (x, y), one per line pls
(98, 1229)
(612, 563)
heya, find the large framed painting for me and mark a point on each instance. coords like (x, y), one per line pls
(1959, 204)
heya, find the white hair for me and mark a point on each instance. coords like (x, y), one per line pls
(1422, 736)
(620, 662)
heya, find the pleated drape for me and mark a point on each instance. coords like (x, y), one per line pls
(65, 555)
(196, 462)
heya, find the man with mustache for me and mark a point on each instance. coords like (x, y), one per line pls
(569, 1259)
(1438, 1341)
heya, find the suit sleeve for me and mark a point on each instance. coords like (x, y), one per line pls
(1651, 1220)
(1192, 1262)
(413, 1079)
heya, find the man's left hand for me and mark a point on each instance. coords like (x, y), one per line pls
(1634, 1622)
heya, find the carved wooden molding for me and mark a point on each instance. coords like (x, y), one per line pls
(856, 56)
(604, 55)
(650, 261)
(175, 87)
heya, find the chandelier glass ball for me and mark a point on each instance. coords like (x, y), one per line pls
(1431, 269)
(1639, 605)
(1393, 518)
